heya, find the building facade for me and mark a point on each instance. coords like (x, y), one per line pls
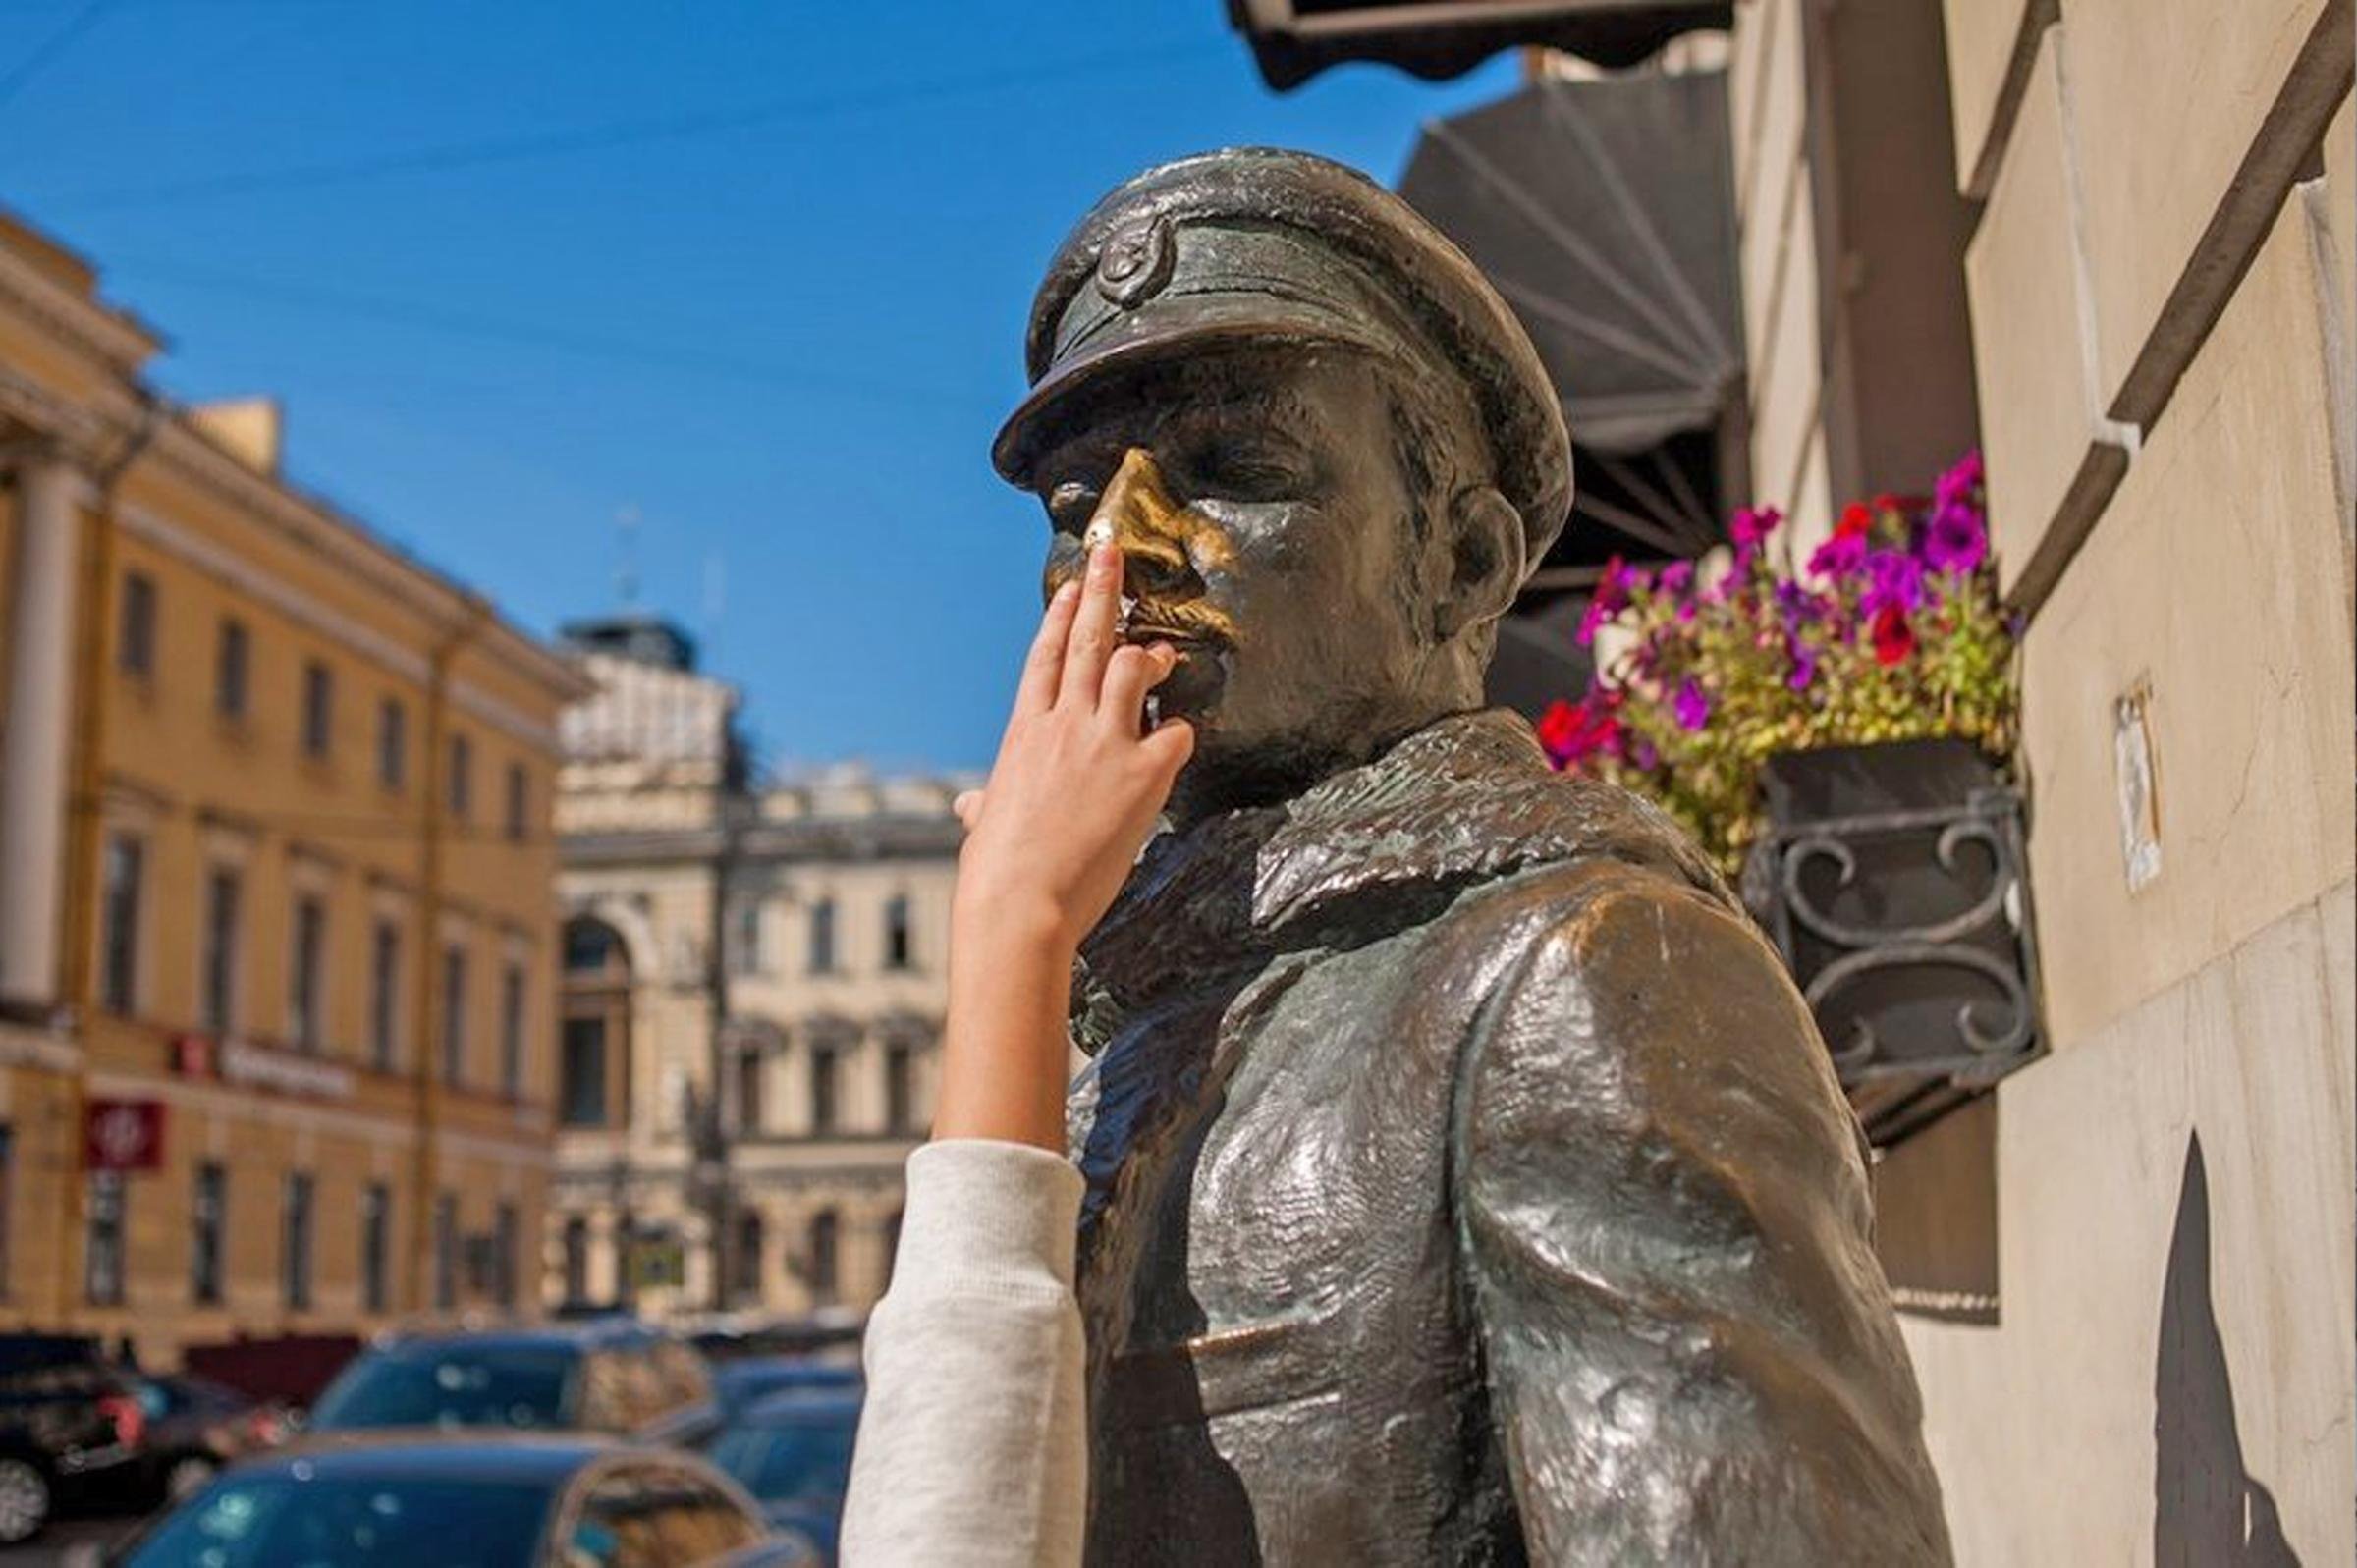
(753, 992)
(2111, 243)
(276, 910)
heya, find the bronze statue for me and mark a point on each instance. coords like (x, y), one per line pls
(1466, 1181)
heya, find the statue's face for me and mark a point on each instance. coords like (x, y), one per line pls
(1263, 509)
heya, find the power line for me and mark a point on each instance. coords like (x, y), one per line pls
(615, 134)
(496, 329)
(56, 45)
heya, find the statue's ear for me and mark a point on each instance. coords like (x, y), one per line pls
(1485, 559)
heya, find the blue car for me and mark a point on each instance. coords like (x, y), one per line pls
(485, 1501)
(738, 1384)
(793, 1453)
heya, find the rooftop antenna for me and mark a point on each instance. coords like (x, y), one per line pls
(626, 569)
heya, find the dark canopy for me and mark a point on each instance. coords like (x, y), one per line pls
(1604, 211)
(1293, 40)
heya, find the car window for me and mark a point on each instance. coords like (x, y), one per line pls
(453, 1385)
(685, 1375)
(268, 1521)
(656, 1516)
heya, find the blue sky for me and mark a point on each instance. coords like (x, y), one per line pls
(758, 271)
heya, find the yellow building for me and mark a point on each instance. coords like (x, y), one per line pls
(277, 917)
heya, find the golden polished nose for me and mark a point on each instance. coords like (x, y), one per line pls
(1138, 515)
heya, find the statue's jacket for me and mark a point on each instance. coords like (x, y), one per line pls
(1467, 1183)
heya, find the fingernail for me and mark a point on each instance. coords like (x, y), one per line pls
(1104, 558)
(1064, 590)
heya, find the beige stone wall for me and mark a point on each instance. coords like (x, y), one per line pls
(2160, 288)
(784, 1167)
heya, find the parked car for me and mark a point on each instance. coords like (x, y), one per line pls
(736, 1384)
(608, 1375)
(195, 1427)
(793, 1451)
(485, 1501)
(70, 1422)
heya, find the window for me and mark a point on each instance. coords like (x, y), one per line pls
(745, 1267)
(232, 660)
(102, 1250)
(899, 946)
(376, 1247)
(135, 632)
(519, 804)
(503, 1254)
(745, 941)
(823, 1061)
(319, 709)
(221, 899)
(208, 1219)
(822, 937)
(446, 1251)
(461, 775)
(511, 1030)
(392, 743)
(577, 1259)
(751, 1070)
(119, 953)
(294, 1247)
(582, 1097)
(454, 1015)
(305, 971)
(384, 993)
(826, 1235)
(899, 1087)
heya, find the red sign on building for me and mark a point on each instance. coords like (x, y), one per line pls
(122, 1135)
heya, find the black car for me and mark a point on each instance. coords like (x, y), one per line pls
(486, 1500)
(195, 1427)
(739, 1383)
(793, 1451)
(70, 1421)
(612, 1375)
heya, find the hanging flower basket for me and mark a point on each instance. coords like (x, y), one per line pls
(1835, 736)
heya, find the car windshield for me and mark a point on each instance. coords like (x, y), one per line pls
(450, 1386)
(288, 1521)
(775, 1462)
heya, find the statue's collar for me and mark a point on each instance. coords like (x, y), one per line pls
(1371, 849)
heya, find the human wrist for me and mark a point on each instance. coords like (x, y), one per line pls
(1011, 924)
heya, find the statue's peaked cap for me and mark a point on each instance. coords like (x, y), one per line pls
(1264, 245)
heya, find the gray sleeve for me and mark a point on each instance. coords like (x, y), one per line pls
(971, 1445)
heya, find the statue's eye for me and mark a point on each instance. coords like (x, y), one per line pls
(1251, 470)
(1070, 505)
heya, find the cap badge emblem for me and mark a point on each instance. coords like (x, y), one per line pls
(1135, 262)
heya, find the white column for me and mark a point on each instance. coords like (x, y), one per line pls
(33, 749)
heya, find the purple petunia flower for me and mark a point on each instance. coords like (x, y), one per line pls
(1958, 483)
(1954, 540)
(1893, 579)
(1750, 524)
(1691, 705)
(1678, 576)
(1840, 555)
(1804, 665)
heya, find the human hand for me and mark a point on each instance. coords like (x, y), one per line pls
(1073, 794)
(1078, 781)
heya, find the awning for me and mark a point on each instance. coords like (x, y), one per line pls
(1293, 40)
(1604, 211)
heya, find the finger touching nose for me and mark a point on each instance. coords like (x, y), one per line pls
(1139, 516)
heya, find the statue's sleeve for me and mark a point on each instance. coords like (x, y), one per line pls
(1667, 1227)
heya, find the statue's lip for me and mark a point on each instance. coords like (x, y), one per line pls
(1184, 639)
